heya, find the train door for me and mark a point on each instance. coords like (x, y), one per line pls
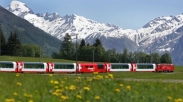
(78, 68)
(19, 67)
(134, 67)
(108, 67)
(50, 67)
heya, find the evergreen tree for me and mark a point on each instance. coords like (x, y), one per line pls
(165, 58)
(82, 43)
(97, 42)
(125, 56)
(67, 47)
(14, 45)
(10, 44)
(2, 42)
(99, 53)
(155, 57)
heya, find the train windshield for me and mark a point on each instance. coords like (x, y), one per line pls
(63, 66)
(6, 65)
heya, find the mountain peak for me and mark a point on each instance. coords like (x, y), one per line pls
(19, 8)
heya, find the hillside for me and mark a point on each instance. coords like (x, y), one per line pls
(28, 34)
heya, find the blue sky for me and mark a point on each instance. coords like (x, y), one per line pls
(127, 14)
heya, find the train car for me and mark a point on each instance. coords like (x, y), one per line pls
(92, 67)
(8, 66)
(145, 67)
(35, 67)
(164, 68)
(121, 67)
(57, 67)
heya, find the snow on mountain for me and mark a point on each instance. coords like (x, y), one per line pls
(19, 8)
(158, 35)
(73, 24)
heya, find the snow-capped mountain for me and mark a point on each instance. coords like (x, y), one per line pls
(58, 26)
(158, 35)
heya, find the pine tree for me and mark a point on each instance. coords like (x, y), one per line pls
(165, 58)
(82, 43)
(2, 42)
(67, 47)
(97, 42)
(125, 56)
(13, 44)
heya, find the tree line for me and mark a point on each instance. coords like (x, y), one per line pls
(96, 52)
(14, 47)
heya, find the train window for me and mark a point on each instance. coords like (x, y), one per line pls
(6, 65)
(33, 66)
(64, 66)
(119, 67)
(145, 66)
(100, 66)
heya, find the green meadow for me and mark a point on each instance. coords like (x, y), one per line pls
(93, 87)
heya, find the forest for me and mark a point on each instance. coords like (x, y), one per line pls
(97, 53)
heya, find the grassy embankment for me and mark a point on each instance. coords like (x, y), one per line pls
(102, 87)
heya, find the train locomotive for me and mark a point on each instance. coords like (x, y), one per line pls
(81, 67)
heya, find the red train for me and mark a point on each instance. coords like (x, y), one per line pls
(82, 67)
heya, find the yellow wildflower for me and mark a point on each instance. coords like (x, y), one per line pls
(178, 100)
(97, 97)
(50, 75)
(87, 88)
(55, 82)
(79, 96)
(89, 80)
(31, 101)
(18, 74)
(58, 90)
(72, 87)
(19, 84)
(66, 87)
(55, 93)
(106, 77)
(15, 94)
(110, 75)
(51, 81)
(79, 77)
(64, 97)
(10, 100)
(169, 98)
(121, 85)
(117, 90)
(128, 87)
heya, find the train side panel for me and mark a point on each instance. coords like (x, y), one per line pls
(116, 67)
(86, 67)
(35, 67)
(92, 67)
(165, 68)
(7, 66)
(64, 68)
(146, 67)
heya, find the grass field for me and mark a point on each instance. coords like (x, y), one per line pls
(94, 87)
